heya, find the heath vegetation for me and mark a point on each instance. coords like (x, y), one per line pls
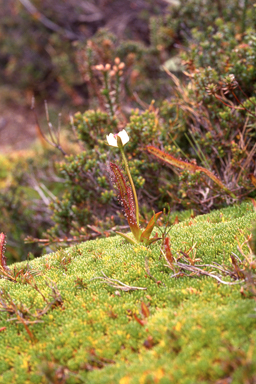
(156, 143)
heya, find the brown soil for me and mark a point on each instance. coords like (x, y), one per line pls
(17, 128)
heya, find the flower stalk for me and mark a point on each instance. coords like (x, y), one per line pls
(128, 195)
(121, 147)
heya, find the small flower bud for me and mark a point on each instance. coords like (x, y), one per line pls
(99, 67)
(117, 60)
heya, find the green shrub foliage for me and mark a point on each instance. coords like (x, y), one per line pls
(206, 120)
(198, 65)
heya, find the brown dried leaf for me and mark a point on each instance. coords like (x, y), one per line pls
(144, 310)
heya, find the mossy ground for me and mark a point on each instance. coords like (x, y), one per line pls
(197, 331)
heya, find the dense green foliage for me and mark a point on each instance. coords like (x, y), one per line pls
(196, 60)
(37, 50)
(184, 330)
(192, 123)
(179, 76)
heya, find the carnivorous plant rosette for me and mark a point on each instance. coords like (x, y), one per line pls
(128, 195)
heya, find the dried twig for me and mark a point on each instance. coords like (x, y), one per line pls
(23, 314)
(198, 271)
(120, 285)
(55, 139)
(20, 310)
(188, 264)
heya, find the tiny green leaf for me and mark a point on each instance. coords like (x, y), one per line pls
(127, 238)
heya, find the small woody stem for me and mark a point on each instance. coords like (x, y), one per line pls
(132, 185)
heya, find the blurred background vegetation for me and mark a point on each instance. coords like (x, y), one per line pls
(187, 86)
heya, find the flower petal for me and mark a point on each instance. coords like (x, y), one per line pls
(112, 140)
(124, 136)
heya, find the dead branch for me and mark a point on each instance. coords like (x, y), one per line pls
(120, 285)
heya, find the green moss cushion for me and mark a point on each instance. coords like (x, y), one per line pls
(186, 330)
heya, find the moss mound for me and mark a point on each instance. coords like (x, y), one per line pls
(185, 330)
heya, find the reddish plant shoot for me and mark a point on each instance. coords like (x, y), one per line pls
(126, 198)
(128, 195)
(2, 251)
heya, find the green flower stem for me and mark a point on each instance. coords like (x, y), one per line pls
(131, 182)
(106, 91)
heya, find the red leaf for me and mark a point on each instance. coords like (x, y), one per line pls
(171, 160)
(144, 310)
(126, 198)
(253, 203)
(168, 253)
(253, 179)
(2, 251)
(147, 232)
(176, 221)
(141, 322)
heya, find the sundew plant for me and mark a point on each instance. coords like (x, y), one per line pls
(128, 195)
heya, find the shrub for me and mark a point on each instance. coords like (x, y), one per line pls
(205, 118)
(211, 129)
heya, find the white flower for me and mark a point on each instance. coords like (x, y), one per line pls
(112, 139)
